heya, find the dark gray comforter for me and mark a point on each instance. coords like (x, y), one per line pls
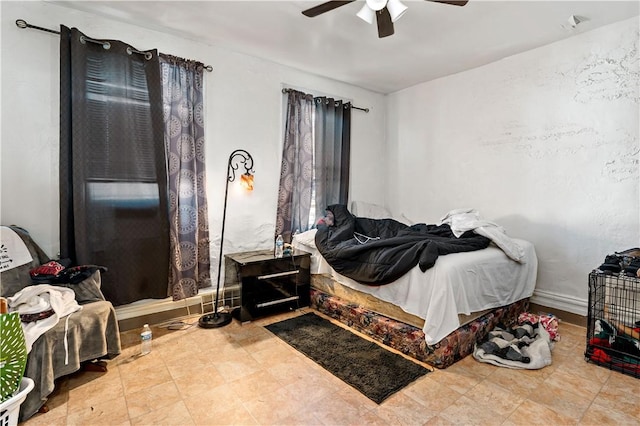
(379, 251)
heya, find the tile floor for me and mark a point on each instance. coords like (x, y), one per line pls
(242, 374)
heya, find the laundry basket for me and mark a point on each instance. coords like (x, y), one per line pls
(10, 409)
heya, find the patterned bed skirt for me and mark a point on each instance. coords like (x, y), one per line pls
(409, 339)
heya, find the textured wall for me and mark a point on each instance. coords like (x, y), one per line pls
(545, 143)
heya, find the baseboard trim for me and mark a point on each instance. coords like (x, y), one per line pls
(154, 306)
(562, 302)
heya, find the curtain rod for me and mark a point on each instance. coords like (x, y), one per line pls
(287, 90)
(21, 23)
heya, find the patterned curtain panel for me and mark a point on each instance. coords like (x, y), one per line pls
(182, 102)
(332, 152)
(296, 173)
(113, 193)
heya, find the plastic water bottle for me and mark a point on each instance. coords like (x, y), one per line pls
(279, 246)
(145, 340)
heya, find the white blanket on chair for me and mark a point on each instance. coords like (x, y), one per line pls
(13, 251)
(39, 298)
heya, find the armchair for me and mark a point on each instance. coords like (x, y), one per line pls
(91, 333)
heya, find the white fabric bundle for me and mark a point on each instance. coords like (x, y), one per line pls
(462, 220)
(40, 298)
(531, 351)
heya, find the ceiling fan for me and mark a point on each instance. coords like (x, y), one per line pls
(386, 12)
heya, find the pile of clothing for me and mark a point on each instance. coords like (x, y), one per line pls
(42, 304)
(615, 345)
(625, 262)
(526, 345)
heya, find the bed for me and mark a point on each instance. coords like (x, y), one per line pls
(437, 315)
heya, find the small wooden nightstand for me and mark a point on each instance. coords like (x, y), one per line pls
(268, 284)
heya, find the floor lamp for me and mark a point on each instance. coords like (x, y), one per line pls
(237, 158)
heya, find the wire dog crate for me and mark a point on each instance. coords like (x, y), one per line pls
(613, 322)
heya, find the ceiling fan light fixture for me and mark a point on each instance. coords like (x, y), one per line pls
(396, 9)
(367, 14)
(376, 4)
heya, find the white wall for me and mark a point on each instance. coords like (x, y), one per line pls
(545, 143)
(243, 110)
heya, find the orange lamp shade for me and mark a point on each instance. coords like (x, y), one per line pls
(246, 181)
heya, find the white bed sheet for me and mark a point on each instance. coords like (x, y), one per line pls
(459, 283)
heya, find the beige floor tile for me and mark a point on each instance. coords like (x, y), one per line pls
(271, 408)
(438, 421)
(465, 411)
(146, 378)
(489, 396)
(89, 388)
(273, 353)
(469, 366)
(622, 392)
(599, 415)
(561, 399)
(518, 382)
(134, 362)
(227, 352)
(153, 398)
(585, 369)
(460, 380)
(240, 366)
(402, 409)
(311, 389)
(300, 417)
(289, 370)
(531, 413)
(213, 341)
(174, 414)
(107, 412)
(254, 385)
(179, 367)
(583, 386)
(47, 420)
(87, 379)
(353, 397)
(198, 382)
(334, 410)
(214, 404)
(431, 394)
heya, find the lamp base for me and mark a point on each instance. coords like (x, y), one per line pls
(216, 320)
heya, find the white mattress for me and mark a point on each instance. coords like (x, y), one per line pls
(459, 283)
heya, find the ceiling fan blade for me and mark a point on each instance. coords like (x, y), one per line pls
(385, 25)
(451, 2)
(324, 7)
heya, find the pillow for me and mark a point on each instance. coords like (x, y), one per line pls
(307, 238)
(87, 290)
(15, 279)
(404, 219)
(372, 211)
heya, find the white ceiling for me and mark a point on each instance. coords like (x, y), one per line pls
(431, 40)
